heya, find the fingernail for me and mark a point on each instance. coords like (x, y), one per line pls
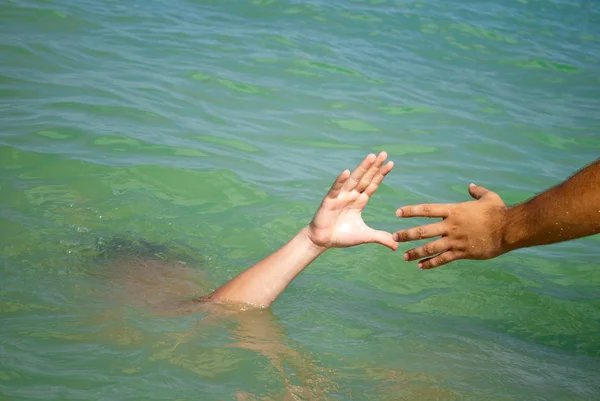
(420, 265)
(406, 257)
(471, 185)
(399, 213)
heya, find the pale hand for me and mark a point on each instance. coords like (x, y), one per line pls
(469, 230)
(338, 223)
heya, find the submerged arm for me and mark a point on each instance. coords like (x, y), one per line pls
(262, 283)
(337, 224)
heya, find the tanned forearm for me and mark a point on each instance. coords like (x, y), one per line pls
(568, 211)
(262, 283)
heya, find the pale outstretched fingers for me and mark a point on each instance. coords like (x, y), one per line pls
(379, 176)
(369, 175)
(338, 184)
(421, 232)
(424, 210)
(439, 260)
(359, 172)
(429, 249)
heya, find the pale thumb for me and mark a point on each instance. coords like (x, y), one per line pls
(478, 192)
(384, 238)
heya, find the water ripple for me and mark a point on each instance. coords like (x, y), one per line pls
(220, 124)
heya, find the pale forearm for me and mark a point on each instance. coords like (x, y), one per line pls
(568, 211)
(262, 283)
(336, 224)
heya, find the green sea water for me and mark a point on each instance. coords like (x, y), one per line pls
(207, 132)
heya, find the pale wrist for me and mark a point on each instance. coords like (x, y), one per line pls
(304, 236)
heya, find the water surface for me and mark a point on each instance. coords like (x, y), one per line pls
(213, 128)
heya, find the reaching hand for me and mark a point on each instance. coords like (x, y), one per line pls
(338, 223)
(469, 230)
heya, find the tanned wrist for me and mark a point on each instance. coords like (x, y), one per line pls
(517, 227)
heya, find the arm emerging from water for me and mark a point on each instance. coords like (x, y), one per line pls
(486, 228)
(337, 223)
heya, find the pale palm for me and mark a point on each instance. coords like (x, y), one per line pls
(338, 223)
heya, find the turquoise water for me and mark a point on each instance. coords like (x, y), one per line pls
(215, 127)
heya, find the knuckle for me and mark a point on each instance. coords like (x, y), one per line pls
(420, 232)
(458, 246)
(428, 249)
(454, 256)
(426, 209)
